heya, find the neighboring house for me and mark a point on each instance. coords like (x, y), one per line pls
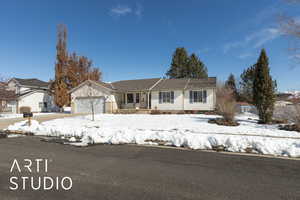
(31, 93)
(8, 101)
(243, 107)
(283, 103)
(3, 85)
(155, 94)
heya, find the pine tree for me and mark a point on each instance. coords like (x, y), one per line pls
(195, 68)
(185, 66)
(263, 89)
(61, 96)
(246, 84)
(178, 68)
(230, 84)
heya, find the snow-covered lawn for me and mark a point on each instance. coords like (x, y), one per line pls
(9, 116)
(191, 131)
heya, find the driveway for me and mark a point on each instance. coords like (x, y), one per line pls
(4, 123)
(134, 172)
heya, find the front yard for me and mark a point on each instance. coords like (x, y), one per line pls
(191, 131)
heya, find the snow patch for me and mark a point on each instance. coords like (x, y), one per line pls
(191, 131)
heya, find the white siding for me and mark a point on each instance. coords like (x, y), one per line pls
(94, 91)
(182, 102)
(209, 105)
(177, 105)
(12, 105)
(12, 85)
(32, 100)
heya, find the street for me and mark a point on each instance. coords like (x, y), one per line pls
(136, 172)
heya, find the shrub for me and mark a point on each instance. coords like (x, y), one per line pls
(289, 114)
(226, 104)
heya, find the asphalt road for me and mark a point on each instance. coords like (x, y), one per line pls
(135, 172)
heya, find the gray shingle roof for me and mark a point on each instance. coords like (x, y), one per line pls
(33, 82)
(134, 85)
(181, 84)
(201, 83)
(166, 84)
(107, 85)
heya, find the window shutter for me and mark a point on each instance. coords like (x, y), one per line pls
(204, 96)
(191, 96)
(160, 100)
(172, 96)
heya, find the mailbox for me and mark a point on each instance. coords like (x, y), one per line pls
(27, 114)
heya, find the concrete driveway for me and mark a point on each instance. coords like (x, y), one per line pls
(129, 172)
(4, 123)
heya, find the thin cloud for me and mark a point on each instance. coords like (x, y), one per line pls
(124, 10)
(120, 10)
(139, 10)
(254, 40)
(245, 55)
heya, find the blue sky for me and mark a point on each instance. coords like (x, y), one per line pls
(136, 39)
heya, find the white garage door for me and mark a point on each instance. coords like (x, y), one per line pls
(85, 105)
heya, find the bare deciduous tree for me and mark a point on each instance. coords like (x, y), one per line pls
(290, 26)
(226, 104)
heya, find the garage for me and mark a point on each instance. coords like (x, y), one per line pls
(86, 104)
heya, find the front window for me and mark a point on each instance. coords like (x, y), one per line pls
(166, 97)
(199, 96)
(129, 98)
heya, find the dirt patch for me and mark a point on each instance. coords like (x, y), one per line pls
(289, 127)
(222, 122)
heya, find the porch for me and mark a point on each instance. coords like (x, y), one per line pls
(137, 100)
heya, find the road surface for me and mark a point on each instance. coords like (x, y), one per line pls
(134, 172)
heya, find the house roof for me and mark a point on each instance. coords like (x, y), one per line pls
(33, 82)
(202, 83)
(107, 85)
(7, 95)
(22, 95)
(185, 83)
(154, 84)
(135, 85)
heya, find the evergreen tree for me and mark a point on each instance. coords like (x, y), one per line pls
(263, 89)
(246, 84)
(230, 83)
(183, 66)
(195, 68)
(178, 68)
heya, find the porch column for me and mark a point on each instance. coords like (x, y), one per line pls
(148, 103)
(125, 98)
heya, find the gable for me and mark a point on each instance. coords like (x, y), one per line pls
(90, 88)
